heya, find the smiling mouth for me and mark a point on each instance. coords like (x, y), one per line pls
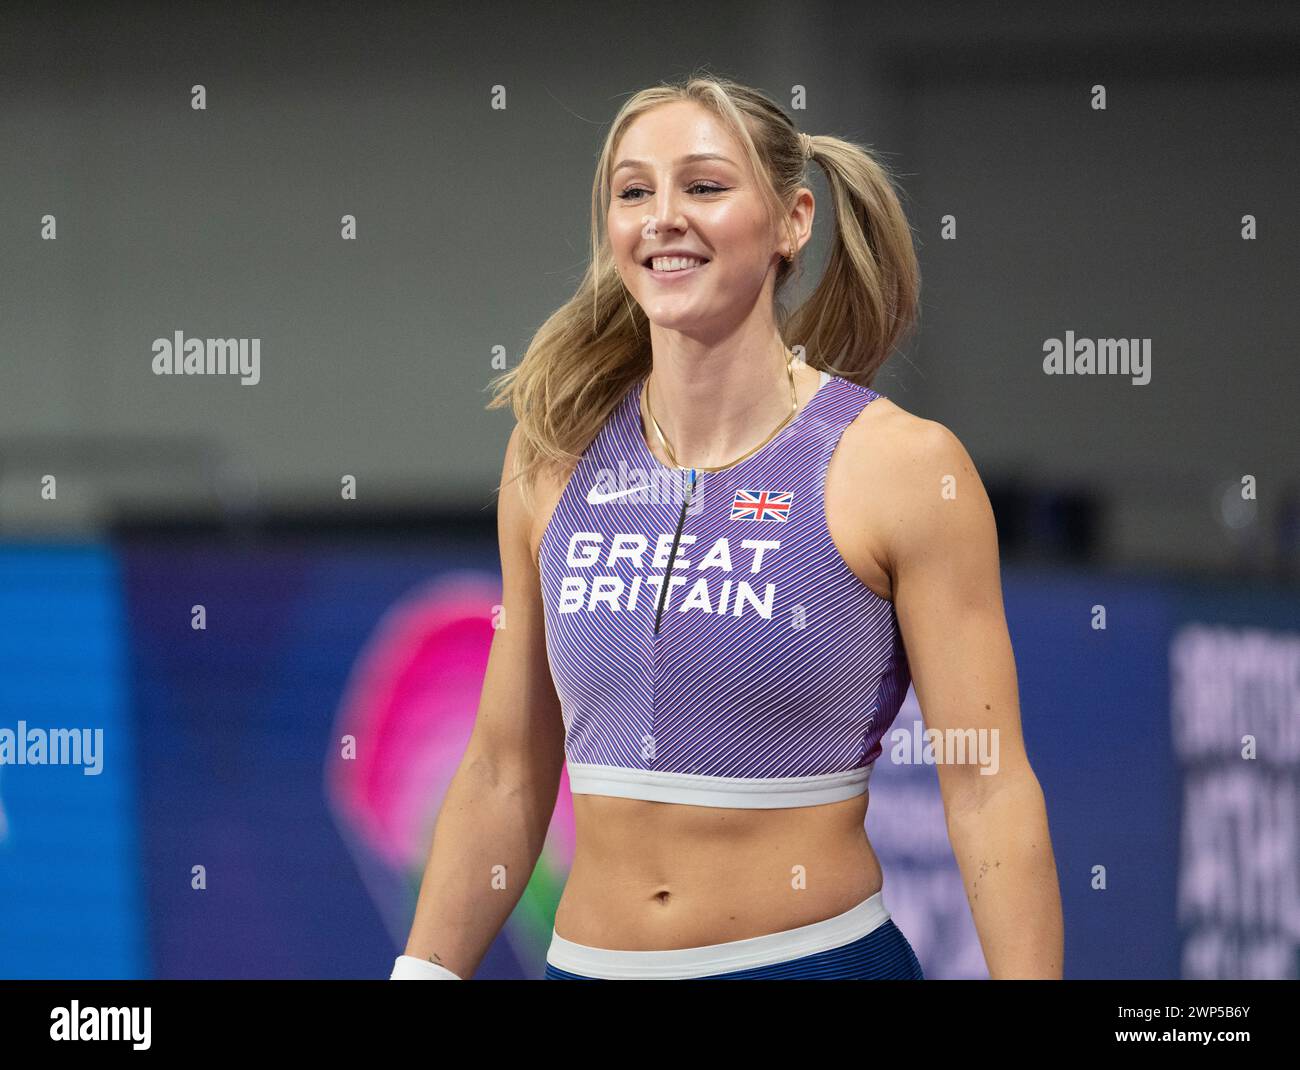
(674, 265)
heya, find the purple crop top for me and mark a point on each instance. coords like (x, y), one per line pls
(767, 673)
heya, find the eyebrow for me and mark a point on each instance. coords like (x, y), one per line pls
(694, 157)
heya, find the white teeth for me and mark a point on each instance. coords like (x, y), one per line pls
(674, 263)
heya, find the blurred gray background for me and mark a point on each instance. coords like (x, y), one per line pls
(472, 228)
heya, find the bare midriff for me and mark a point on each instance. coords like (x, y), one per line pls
(652, 876)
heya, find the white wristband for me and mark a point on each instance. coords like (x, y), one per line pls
(409, 968)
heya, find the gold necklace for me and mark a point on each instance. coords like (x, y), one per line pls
(794, 404)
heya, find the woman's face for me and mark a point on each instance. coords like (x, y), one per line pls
(661, 200)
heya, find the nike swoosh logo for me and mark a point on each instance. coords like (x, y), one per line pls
(595, 497)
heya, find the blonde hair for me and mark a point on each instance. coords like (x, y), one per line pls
(590, 351)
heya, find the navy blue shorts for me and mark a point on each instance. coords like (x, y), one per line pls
(884, 954)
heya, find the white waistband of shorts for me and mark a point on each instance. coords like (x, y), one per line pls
(687, 962)
(744, 793)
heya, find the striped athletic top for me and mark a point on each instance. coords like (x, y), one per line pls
(708, 643)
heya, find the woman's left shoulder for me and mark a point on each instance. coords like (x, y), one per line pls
(889, 437)
(908, 487)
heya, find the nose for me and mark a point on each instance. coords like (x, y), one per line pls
(667, 213)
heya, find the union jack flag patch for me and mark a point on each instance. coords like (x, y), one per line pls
(762, 505)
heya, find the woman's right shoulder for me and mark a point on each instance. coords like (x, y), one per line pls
(527, 517)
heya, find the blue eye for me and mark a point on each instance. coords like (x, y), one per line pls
(706, 186)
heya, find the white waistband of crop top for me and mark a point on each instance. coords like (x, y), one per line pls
(742, 793)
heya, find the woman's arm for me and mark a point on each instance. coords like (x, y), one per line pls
(494, 817)
(940, 541)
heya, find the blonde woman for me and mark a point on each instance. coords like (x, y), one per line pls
(723, 565)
